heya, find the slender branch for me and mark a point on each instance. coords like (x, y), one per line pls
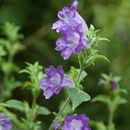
(60, 112)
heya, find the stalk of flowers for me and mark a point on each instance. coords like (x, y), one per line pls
(5, 122)
(76, 38)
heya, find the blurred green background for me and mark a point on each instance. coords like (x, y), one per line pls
(112, 17)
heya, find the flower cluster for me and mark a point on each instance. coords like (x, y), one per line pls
(73, 30)
(54, 81)
(5, 123)
(74, 39)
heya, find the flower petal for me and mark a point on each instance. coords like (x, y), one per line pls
(60, 44)
(60, 71)
(44, 83)
(57, 90)
(48, 93)
(66, 53)
(67, 82)
(74, 5)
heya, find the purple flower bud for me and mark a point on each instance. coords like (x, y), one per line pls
(73, 122)
(54, 81)
(5, 123)
(113, 84)
(73, 29)
(102, 82)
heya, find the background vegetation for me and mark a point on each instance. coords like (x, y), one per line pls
(35, 17)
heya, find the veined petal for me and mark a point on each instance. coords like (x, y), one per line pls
(67, 82)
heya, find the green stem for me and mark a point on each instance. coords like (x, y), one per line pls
(67, 101)
(110, 118)
(31, 116)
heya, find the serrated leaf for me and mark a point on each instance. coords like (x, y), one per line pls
(43, 110)
(16, 104)
(102, 98)
(77, 97)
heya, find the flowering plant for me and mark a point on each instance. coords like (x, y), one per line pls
(77, 38)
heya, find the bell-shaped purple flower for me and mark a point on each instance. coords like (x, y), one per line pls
(73, 29)
(54, 81)
(73, 122)
(5, 123)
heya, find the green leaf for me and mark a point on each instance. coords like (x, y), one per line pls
(102, 98)
(43, 110)
(16, 104)
(74, 74)
(119, 100)
(77, 97)
(92, 59)
(98, 125)
(81, 58)
(82, 76)
(124, 91)
(35, 74)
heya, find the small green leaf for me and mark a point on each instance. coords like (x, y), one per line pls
(91, 60)
(119, 100)
(82, 76)
(98, 125)
(77, 97)
(102, 98)
(74, 74)
(43, 110)
(124, 91)
(16, 104)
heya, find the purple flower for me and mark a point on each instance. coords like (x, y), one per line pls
(113, 84)
(54, 81)
(57, 125)
(5, 123)
(73, 122)
(73, 29)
